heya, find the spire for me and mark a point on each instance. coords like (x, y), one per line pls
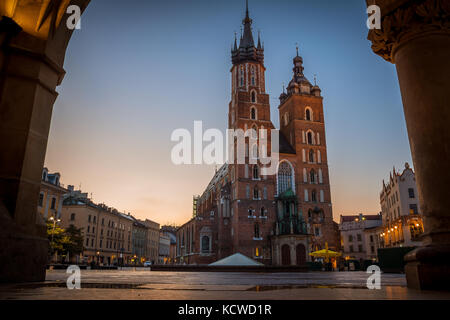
(247, 51)
(246, 10)
(247, 38)
(235, 42)
(259, 39)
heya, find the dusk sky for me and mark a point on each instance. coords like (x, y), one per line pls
(137, 70)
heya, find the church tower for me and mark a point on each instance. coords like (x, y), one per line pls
(302, 123)
(249, 108)
(249, 102)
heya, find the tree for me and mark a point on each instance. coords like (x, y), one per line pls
(55, 235)
(74, 245)
(64, 241)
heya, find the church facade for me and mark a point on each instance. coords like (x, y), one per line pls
(275, 219)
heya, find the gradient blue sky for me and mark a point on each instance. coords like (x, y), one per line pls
(137, 70)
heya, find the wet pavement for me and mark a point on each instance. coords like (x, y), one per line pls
(141, 283)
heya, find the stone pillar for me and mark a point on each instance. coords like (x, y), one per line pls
(32, 50)
(415, 35)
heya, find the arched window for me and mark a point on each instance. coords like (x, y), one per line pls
(312, 176)
(319, 157)
(308, 114)
(205, 244)
(257, 234)
(242, 76)
(311, 156)
(254, 132)
(320, 176)
(255, 172)
(310, 137)
(255, 151)
(262, 212)
(256, 193)
(313, 196)
(253, 75)
(253, 96)
(285, 177)
(250, 211)
(286, 119)
(253, 113)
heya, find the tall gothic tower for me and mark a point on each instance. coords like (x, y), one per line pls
(302, 122)
(251, 203)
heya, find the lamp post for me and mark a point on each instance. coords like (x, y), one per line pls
(53, 231)
(54, 225)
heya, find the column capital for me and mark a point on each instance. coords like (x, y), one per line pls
(404, 20)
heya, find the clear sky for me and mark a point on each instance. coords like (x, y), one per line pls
(137, 70)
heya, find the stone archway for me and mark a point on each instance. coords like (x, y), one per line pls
(285, 255)
(33, 39)
(300, 252)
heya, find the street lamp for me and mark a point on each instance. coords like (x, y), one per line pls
(54, 225)
(53, 230)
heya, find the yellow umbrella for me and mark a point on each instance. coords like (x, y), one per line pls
(325, 253)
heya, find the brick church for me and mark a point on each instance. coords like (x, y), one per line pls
(274, 219)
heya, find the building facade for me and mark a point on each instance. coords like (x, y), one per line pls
(171, 232)
(139, 236)
(164, 248)
(51, 195)
(107, 233)
(402, 217)
(276, 219)
(356, 239)
(152, 250)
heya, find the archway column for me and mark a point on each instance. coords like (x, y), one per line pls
(31, 67)
(415, 35)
